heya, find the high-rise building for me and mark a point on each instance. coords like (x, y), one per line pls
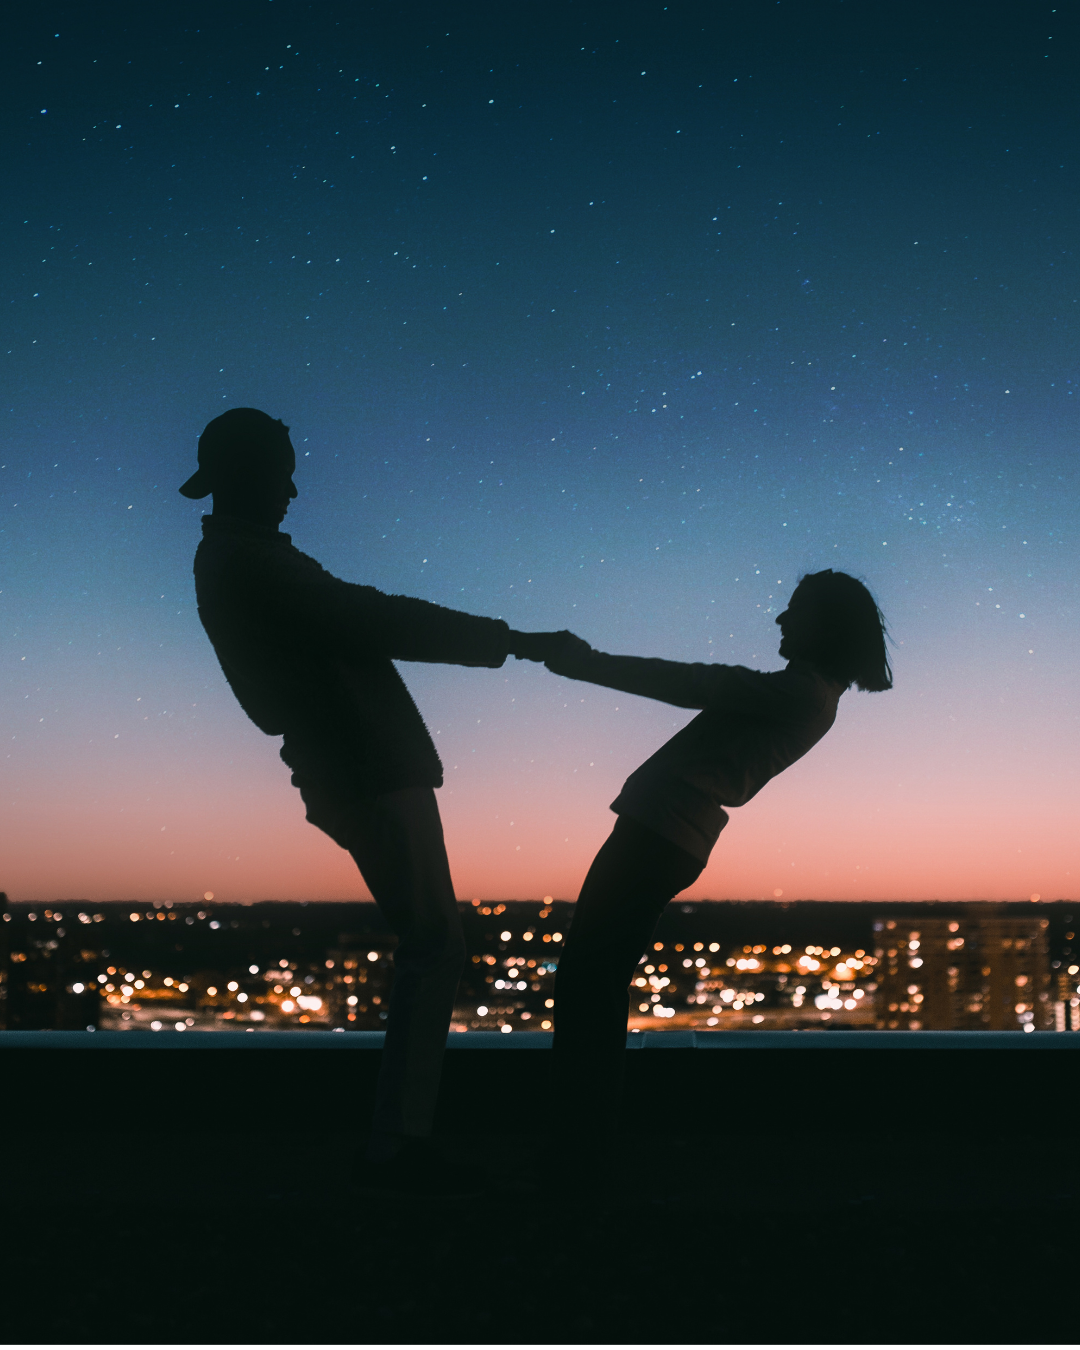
(975, 971)
(1066, 1000)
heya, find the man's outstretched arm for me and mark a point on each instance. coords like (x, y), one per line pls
(315, 604)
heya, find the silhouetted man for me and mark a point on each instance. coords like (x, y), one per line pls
(309, 657)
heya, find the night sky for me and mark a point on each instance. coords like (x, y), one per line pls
(609, 317)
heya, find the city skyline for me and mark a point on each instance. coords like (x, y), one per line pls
(709, 967)
(613, 320)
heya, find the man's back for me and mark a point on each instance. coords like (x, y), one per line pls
(310, 656)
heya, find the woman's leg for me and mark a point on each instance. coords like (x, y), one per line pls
(632, 878)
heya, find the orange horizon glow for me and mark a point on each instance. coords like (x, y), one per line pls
(907, 798)
(808, 835)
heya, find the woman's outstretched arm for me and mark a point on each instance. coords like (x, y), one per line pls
(684, 684)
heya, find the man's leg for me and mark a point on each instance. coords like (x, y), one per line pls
(632, 878)
(397, 843)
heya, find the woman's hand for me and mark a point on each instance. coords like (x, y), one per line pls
(545, 646)
(567, 650)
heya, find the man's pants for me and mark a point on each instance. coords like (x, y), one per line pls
(632, 878)
(397, 843)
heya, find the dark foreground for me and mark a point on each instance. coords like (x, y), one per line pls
(763, 1196)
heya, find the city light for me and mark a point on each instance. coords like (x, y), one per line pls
(980, 967)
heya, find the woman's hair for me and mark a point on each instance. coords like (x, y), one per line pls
(849, 641)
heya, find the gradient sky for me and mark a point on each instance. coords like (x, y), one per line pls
(609, 317)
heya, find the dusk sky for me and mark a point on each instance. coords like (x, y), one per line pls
(616, 318)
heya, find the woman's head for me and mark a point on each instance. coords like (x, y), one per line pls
(833, 621)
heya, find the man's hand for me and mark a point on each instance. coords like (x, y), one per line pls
(543, 646)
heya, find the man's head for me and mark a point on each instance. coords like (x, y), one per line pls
(247, 461)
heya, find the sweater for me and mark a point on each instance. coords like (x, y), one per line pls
(310, 658)
(752, 727)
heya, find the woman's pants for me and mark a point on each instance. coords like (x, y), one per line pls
(632, 878)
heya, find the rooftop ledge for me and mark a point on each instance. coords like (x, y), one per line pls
(541, 1040)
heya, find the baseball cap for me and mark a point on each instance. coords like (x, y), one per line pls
(242, 439)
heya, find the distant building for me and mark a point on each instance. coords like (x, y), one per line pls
(688, 985)
(979, 970)
(509, 979)
(1066, 1000)
(5, 919)
(50, 983)
(359, 974)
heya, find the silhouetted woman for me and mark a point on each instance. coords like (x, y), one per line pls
(671, 811)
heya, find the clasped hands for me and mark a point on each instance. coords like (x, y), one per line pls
(547, 647)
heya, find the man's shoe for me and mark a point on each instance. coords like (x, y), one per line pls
(419, 1168)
